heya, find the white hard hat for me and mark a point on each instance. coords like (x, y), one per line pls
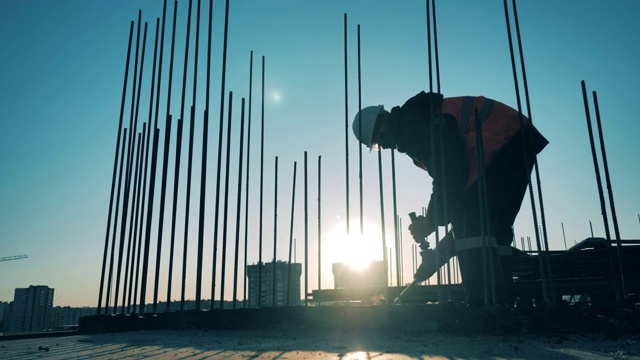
(364, 124)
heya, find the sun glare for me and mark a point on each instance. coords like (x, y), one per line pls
(354, 249)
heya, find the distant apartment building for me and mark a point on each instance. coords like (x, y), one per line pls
(31, 310)
(265, 292)
(4, 312)
(65, 316)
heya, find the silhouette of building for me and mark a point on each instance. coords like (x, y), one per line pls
(346, 277)
(65, 316)
(264, 296)
(31, 310)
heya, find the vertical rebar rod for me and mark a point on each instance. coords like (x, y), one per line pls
(260, 265)
(429, 45)
(275, 231)
(535, 162)
(152, 183)
(320, 223)
(603, 208)
(564, 237)
(395, 213)
(203, 185)
(293, 202)
(238, 205)
(187, 207)
(130, 192)
(174, 211)
(488, 264)
(360, 132)
(614, 218)
(220, 134)
(382, 221)
(163, 194)
(136, 239)
(142, 225)
(165, 167)
(115, 167)
(435, 45)
(346, 122)
(176, 171)
(542, 256)
(226, 204)
(306, 233)
(127, 183)
(134, 192)
(246, 198)
(113, 239)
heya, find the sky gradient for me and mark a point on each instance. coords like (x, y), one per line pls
(61, 78)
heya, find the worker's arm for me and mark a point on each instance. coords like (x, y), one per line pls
(448, 168)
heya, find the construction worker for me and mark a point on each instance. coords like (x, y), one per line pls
(439, 135)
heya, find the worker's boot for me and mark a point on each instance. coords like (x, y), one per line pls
(472, 272)
(506, 296)
(434, 259)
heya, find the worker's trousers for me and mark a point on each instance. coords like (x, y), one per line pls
(506, 181)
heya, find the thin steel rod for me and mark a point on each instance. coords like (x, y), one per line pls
(136, 239)
(261, 191)
(131, 228)
(382, 221)
(238, 206)
(202, 184)
(346, 122)
(395, 214)
(603, 207)
(113, 240)
(165, 166)
(435, 45)
(187, 207)
(360, 132)
(142, 225)
(176, 178)
(131, 189)
(163, 194)
(429, 45)
(320, 223)
(203, 167)
(563, 236)
(174, 212)
(293, 202)
(127, 187)
(220, 134)
(306, 233)
(275, 231)
(115, 167)
(541, 258)
(614, 218)
(152, 183)
(226, 204)
(246, 198)
(488, 269)
(535, 162)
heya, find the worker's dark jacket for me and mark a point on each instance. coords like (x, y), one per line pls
(454, 142)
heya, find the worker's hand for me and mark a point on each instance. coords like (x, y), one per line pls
(420, 228)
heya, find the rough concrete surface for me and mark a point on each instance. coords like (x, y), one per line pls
(322, 344)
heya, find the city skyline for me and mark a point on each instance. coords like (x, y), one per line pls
(61, 87)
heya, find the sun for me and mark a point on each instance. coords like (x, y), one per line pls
(354, 249)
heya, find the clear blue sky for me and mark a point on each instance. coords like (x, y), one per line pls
(61, 74)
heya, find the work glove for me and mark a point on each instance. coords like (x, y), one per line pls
(428, 266)
(420, 228)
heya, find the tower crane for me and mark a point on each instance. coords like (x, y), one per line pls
(14, 257)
